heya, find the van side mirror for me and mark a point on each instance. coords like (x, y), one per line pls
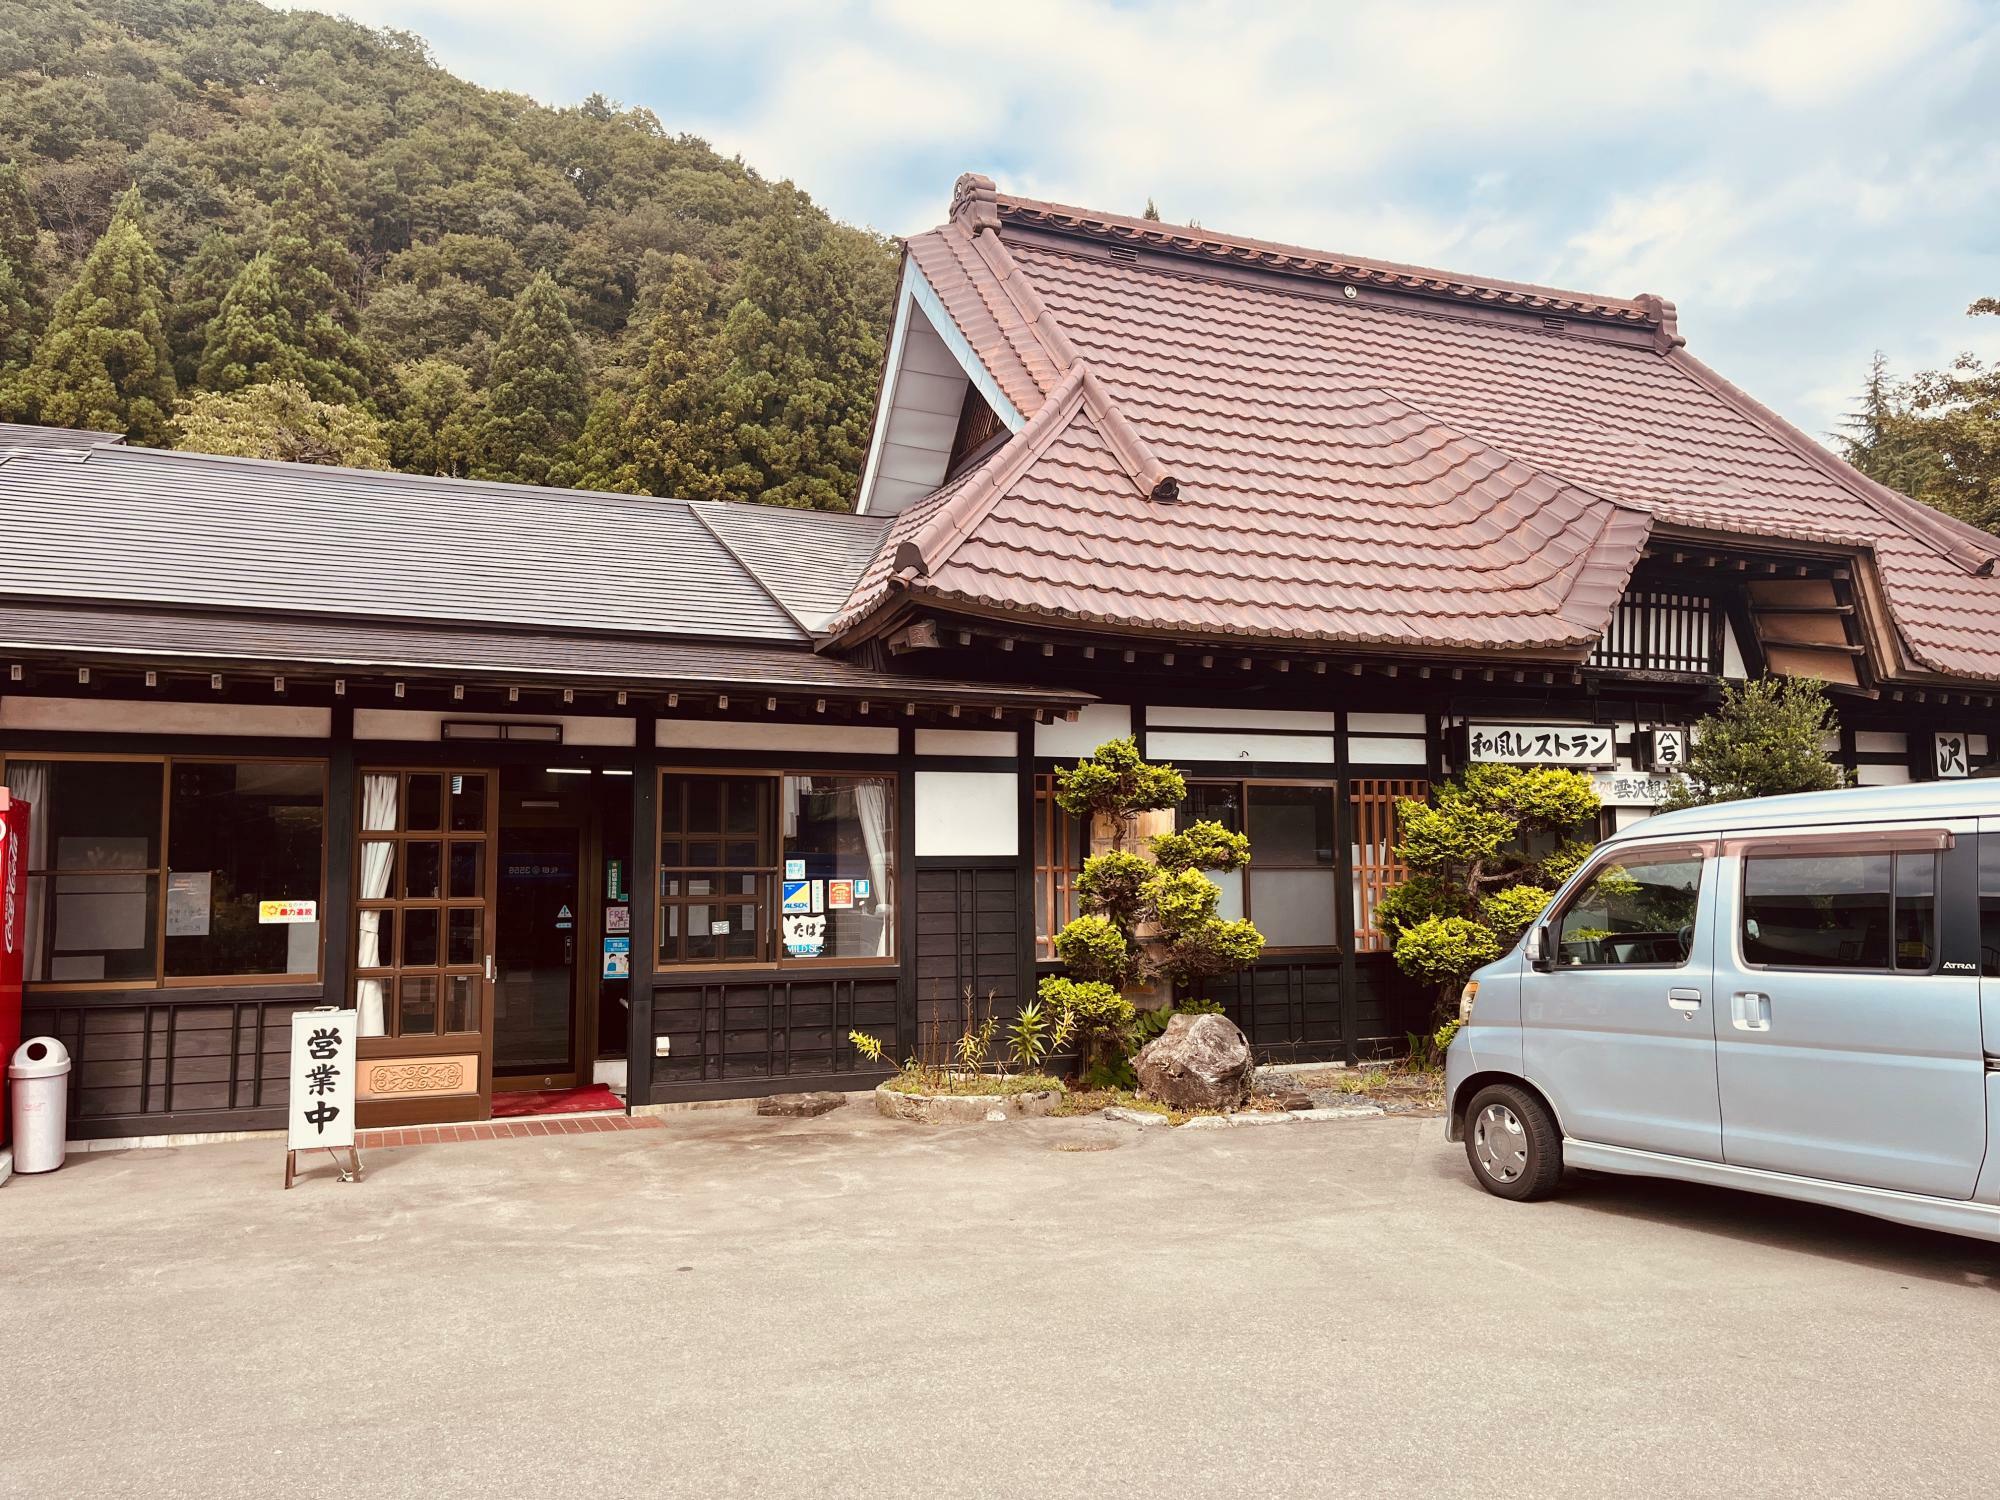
(1540, 952)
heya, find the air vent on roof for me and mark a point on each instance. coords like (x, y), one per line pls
(1554, 325)
(1125, 254)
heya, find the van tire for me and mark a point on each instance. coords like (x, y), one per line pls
(1515, 1150)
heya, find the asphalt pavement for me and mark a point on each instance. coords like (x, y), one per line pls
(734, 1306)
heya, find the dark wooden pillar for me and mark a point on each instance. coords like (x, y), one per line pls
(645, 903)
(1343, 887)
(337, 900)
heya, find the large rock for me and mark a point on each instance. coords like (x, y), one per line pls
(1198, 1062)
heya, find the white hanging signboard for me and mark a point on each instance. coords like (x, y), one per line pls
(1951, 756)
(320, 1111)
(1542, 744)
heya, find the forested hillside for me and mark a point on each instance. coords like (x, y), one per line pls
(273, 232)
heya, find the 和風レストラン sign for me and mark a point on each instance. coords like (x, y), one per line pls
(1542, 744)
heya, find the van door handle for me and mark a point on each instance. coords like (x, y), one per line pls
(1750, 1011)
(1687, 1002)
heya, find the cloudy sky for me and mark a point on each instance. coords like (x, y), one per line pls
(1809, 181)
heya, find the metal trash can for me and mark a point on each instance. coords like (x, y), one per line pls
(39, 1076)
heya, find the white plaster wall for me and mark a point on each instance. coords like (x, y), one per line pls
(1093, 726)
(1245, 718)
(1880, 742)
(101, 716)
(1365, 750)
(1881, 775)
(967, 742)
(1181, 744)
(968, 813)
(426, 724)
(826, 739)
(1386, 724)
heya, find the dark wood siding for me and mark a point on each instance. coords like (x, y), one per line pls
(968, 962)
(162, 1066)
(1388, 1006)
(1290, 1010)
(727, 1030)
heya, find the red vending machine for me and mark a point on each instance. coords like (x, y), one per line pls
(13, 938)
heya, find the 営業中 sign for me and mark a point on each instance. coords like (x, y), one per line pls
(321, 1103)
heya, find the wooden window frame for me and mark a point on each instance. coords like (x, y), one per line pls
(444, 836)
(1333, 790)
(774, 959)
(1373, 811)
(161, 980)
(1054, 875)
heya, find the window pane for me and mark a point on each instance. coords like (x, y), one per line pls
(1638, 912)
(1817, 912)
(839, 830)
(461, 1003)
(462, 945)
(465, 870)
(1292, 908)
(1916, 910)
(426, 803)
(1290, 825)
(243, 885)
(94, 815)
(1212, 802)
(1230, 907)
(420, 936)
(1989, 905)
(468, 804)
(422, 869)
(92, 929)
(376, 944)
(420, 998)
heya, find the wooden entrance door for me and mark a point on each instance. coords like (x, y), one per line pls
(424, 887)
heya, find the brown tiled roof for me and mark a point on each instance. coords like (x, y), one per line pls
(1363, 452)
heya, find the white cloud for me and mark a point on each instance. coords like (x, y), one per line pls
(1807, 180)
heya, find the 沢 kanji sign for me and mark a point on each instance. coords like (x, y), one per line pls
(1951, 755)
(1542, 744)
(320, 1111)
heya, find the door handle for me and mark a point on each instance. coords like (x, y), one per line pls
(489, 968)
(1686, 1001)
(1750, 1010)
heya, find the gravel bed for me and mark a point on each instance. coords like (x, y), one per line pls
(1397, 1093)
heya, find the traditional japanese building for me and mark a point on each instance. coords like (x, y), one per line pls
(553, 785)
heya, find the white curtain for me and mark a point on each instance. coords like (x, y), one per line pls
(871, 805)
(378, 815)
(29, 780)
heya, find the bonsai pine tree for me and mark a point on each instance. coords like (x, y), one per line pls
(1484, 859)
(1146, 916)
(1766, 738)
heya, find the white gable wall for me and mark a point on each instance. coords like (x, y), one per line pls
(930, 365)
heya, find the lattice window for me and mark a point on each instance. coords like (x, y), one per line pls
(1060, 848)
(1376, 867)
(1657, 630)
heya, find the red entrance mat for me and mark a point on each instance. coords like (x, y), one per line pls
(555, 1102)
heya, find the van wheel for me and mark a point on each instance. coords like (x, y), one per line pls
(1513, 1144)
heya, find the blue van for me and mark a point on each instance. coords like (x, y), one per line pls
(1797, 996)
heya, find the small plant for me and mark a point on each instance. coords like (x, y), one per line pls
(1767, 737)
(1035, 1035)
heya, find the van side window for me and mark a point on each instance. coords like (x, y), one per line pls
(1840, 911)
(1989, 905)
(1630, 913)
